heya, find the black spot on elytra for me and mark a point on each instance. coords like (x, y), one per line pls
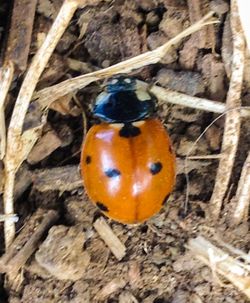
(165, 199)
(129, 130)
(88, 160)
(102, 207)
(155, 168)
(111, 173)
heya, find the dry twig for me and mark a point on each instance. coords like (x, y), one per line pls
(111, 240)
(12, 217)
(11, 262)
(6, 76)
(169, 96)
(47, 179)
(113, 286)
(232, 121)
(243, 7)
(242, 198)
(237, 272)
(235, 252)
(17, 52)
(18, 144)
(188, 157)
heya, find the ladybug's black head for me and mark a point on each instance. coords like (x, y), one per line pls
(124, 101)
(120, 83)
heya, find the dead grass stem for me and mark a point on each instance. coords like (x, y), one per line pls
(232, 121)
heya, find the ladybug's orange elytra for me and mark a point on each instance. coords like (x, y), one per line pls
(128, 167)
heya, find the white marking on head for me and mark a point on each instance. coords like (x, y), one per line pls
(127, 80)
(117, 125)
(140, 85)
(142, 95)
(113, 81)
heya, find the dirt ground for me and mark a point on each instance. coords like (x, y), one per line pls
(72, 263)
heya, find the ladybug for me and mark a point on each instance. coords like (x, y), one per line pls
(127, 163)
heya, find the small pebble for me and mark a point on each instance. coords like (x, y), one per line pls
(180, 296)
(157, 39)
(152, 18)
(203, 289)
(219, 6)
(187, 82)
(62, 255)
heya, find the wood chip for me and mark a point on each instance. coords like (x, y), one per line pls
(55, 70)
(110, 239)
(20, 32)
(44, 147)
(109, 289)
(134, 274)
(23, 180)
(65, 178)
(66, 106)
